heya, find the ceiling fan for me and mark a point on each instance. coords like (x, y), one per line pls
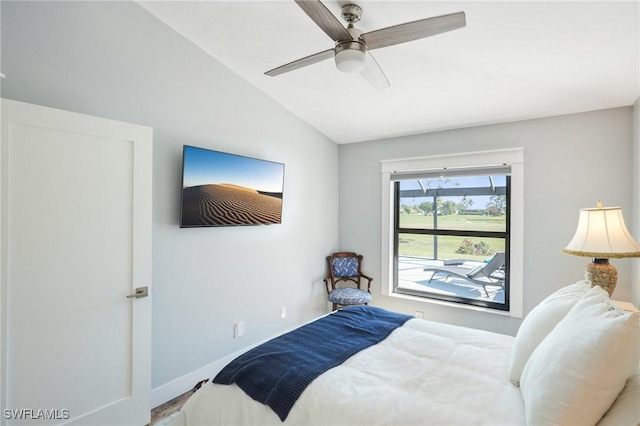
(352, 46)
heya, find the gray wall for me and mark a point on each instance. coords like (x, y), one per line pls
(570, 162)
(115, 60)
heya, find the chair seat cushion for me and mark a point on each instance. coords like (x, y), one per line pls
(349, 296)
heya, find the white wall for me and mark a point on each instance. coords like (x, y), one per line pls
(115, 60)
(570, 162)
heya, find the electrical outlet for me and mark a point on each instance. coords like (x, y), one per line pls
(418, 314)
(283, 312)
(238, 329)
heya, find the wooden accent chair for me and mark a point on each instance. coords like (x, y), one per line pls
(345, 267)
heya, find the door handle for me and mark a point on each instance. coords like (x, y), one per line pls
(140, 292)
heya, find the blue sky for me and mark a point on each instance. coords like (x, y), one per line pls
(203, 166)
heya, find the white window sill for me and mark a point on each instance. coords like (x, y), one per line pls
(449, 304)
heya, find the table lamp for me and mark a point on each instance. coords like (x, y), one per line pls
(602, 235)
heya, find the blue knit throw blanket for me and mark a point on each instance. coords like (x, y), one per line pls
(278, 371)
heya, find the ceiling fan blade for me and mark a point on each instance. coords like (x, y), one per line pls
(308, 60)
(323, 18)
(374, 74)
(413, 30)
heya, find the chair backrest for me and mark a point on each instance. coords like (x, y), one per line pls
(496, 262)
(344, 266)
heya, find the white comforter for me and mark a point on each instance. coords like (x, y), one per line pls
(424, 373)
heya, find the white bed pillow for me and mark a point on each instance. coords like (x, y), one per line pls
(625, 410)
(539, 322)
(578, 370)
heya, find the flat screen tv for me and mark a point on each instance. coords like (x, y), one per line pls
(222, 189)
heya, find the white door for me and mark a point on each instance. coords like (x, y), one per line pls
(75, 242)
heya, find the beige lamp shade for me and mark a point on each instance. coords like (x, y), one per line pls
(602, 233)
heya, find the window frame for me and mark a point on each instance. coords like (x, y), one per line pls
(514, 158)
(452, 232)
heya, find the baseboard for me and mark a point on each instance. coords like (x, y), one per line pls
(183, 384)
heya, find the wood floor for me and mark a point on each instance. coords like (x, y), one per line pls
(169, 407)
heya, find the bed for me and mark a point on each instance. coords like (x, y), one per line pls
(574, 361)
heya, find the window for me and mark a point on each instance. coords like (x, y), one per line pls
(452, 229)
(447, 230)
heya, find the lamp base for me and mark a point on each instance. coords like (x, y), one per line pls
(601, 272)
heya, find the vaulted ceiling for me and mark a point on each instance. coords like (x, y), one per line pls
(513, 60)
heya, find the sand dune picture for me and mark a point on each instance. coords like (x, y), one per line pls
(221, 189)
(227, 204)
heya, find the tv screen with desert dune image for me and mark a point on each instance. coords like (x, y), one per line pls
(223, 189)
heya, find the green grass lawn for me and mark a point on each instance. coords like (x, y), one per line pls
(422, 245)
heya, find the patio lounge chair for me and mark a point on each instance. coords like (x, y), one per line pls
(489, 273)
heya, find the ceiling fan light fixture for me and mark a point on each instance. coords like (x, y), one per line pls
(351, 56)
